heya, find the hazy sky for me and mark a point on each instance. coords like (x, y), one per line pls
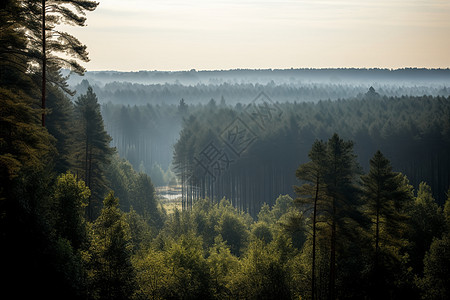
(220, 34)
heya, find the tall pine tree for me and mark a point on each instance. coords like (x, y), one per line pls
(342, 192)
(93, 152)
(51, 48)
(383, 193)
(311, 194)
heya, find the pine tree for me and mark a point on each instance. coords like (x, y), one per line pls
(342, 192)
(93, 152)
(312, 194)
(45, 41)
(25, 148)
(60, 124)
(383, 191)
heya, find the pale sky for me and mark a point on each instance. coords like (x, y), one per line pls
(131, 35)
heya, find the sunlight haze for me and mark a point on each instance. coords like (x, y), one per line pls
(200, 34)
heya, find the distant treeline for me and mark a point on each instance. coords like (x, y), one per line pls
(347, 75)
(413, 132)
(248, 154)
(233, 93)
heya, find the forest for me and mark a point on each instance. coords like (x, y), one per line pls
(284, 85)
(283, 197)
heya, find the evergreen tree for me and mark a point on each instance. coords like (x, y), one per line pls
(112, 273)
(71, 234)
(382, 192)
(263, 274)
(93, 152)
(189, 276)
(182, 108)
(60, 124)
(121, 178)
(70, 199)
(436, 281)
(233, 231)
(22, 143)
(152, 274)
(312, 194)
(426, 222)
(342, 195)
(144, 200)
(222, 267)
(41, 19)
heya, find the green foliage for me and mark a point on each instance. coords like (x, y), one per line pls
(436, 281)
(70, 200)
(143, 199)
(24, 145)
(262, 231)
(60, 123)
(426, 222)
(134, 190)
(210, 249)
(313, 195)
(93, 152)
(189, 276)
(263, 274)
(63, 49)
(121, 177)
(283, 204)
(141, 232)
(384, 205)
(447, 211)
(233, 231)
(223, 265)
(152, 274)
(112, 275)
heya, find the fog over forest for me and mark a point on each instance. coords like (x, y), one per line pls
(142, 109)
(157, 87)
(223, 184)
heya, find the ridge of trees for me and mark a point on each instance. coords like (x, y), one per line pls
(241, 92)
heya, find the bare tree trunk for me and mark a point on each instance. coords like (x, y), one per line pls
(89, 182)
(313, 272)
(44, 63)
(332, 282)
(377, 239)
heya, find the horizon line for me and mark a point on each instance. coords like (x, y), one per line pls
(271, 69)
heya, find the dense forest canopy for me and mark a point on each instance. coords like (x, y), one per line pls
(290, 190)
(412, 131)
(241, 86)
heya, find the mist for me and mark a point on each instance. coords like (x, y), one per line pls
(235, 177)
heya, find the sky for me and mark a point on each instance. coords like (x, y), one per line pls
(175, 35)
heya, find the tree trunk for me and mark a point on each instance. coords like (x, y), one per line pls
(44, 63)
(332, 281)
(313, 272)
(89, 183)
